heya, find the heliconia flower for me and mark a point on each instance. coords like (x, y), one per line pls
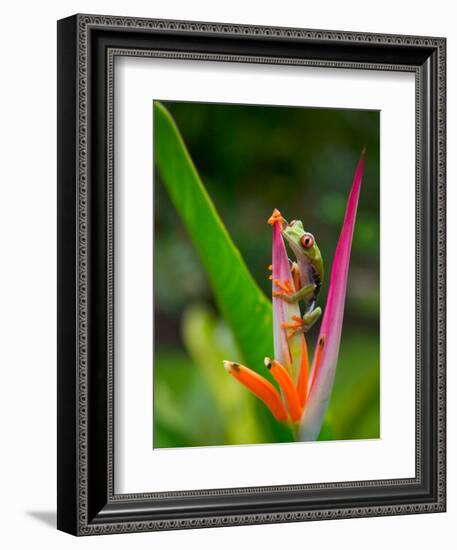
(287, 347)
(304, 396)
(326, 358)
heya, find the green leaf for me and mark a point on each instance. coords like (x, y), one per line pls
(209, 341)
(241, 302)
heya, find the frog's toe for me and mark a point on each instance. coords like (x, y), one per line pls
(309, 319)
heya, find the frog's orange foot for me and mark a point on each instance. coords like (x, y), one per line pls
(285, 286)
(297, 324)
(276, 217)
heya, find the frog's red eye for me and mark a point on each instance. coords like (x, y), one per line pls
(292, 223)
(307, 240)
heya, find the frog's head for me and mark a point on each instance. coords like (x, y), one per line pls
(300, 240)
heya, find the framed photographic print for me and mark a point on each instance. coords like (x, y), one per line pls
(251, 274)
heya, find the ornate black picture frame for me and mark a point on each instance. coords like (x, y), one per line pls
(87, 46)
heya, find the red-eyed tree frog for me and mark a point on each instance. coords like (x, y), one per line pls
(307, 271)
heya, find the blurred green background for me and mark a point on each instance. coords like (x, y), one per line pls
(253, 159)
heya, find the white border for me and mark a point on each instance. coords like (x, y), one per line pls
(138, 468)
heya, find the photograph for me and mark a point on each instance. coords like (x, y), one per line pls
(251, 271)
(227, 234)
(266, 274)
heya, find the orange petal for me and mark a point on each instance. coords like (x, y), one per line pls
(287, 386)
(317, 357)
(260, 387)
(302, 385)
